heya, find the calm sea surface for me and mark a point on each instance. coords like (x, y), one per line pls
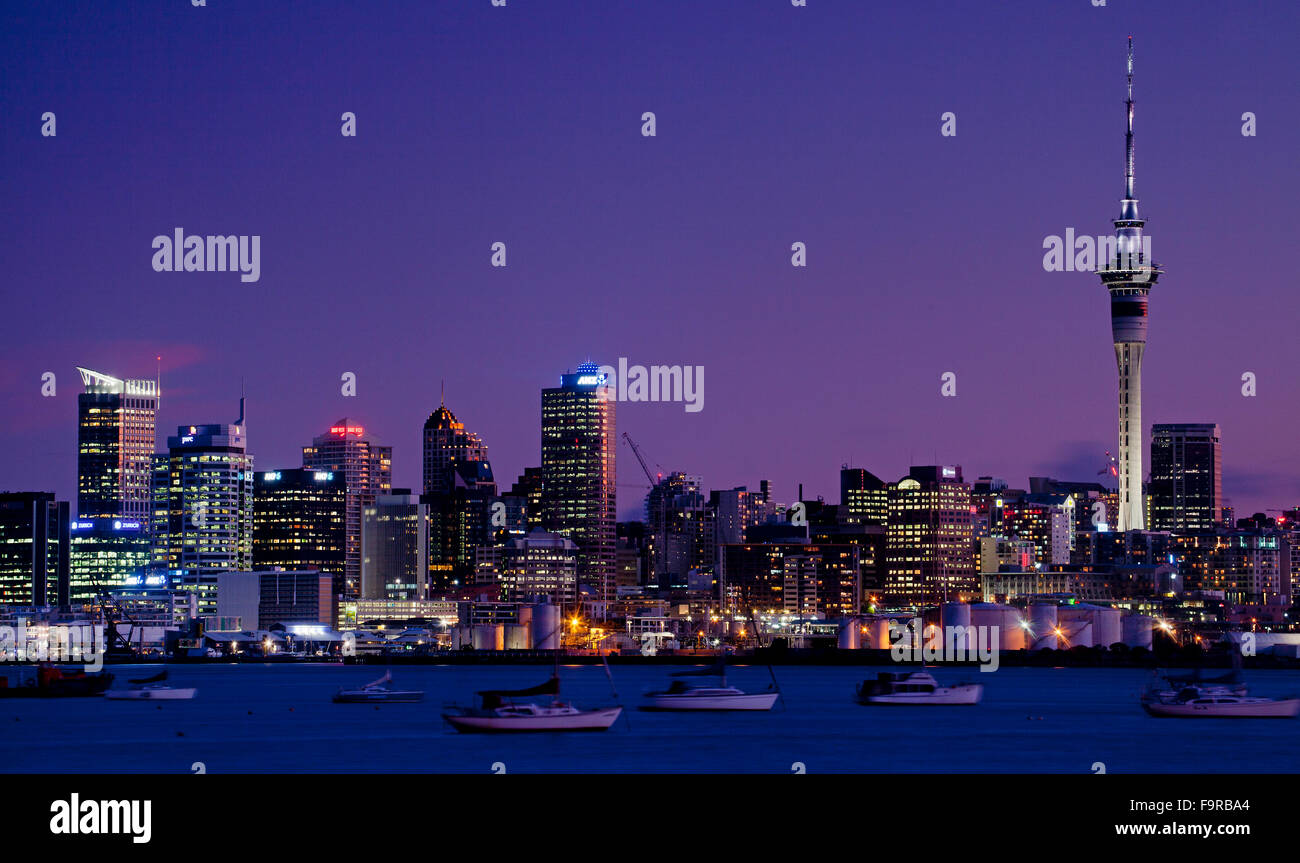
(279, 719)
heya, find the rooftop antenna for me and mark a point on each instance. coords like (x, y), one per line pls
(442, 400)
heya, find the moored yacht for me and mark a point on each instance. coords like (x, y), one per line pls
(499, 713)
(916, 687)
(684, 695)
(1195, 701)
(151, 689)
(378, 692)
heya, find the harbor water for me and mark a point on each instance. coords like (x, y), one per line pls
(279, 719)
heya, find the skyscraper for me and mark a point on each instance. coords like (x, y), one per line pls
(299, 521)
(206, 506)
(1128, 275)
(929, 554)
(446, 443)
(34, 549)
(395, 547)
(367, 469)
(1186, 477)
(578, 452)
(115, 446)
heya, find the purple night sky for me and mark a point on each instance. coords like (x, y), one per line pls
(775, 124)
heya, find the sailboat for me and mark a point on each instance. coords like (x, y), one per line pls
(499, 712)
(153, 688)
(685, 695)
(377, 692)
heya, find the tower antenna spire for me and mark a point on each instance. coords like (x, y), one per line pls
(1128, 137)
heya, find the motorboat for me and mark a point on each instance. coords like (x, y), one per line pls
(151, 689)
(378, 692)
(499, 713)
(916, 687)
(1195, 701)
(48, 681)
(684, 695)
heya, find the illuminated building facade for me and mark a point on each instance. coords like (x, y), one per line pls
(1186, 477)
(205, 507)
(116, 437)
(299, 521)
(578, 477)
(107, 556)
(35, 549)
(806, 579)
(447, 443)
(367, 471)
(864, 495)
(460, 522)
(929, 555)
(395, 548)
(540, 564)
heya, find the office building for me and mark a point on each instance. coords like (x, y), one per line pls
(578, 473)
(299, 521)
(205, 507)
(395, 548)
(35, 549)
(1186, 477)
(116, 438)
(929, 554)
(367, 471)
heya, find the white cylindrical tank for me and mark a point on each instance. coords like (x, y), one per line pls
(851, 634)
(1078, 632)
(1106, 627)
(736, 629)
(952, 615)
(1137, 629)
(518, 636)
(462, 635)
(546, 627)
(485, 637)
(1042, 626)
(525, 617)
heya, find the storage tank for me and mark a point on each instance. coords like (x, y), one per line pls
(737, 629)
(1078, 632)
(485, 636)
(525, 615)
(546, 627)
(518, 636)
(851, 635)
(876, 636)
(1136, 629)
(1042, 626)
(462, 635)
(954, 614)
(1106, 627)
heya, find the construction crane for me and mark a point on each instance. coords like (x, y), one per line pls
(636, 450)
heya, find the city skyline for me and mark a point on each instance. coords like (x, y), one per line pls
(807, 368)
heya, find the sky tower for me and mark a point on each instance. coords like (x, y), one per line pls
(1128, 274)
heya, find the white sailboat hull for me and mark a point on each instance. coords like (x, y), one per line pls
(689, 701)
(1262, 709)
(966, 693)
(166, 693)
(585, 720)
